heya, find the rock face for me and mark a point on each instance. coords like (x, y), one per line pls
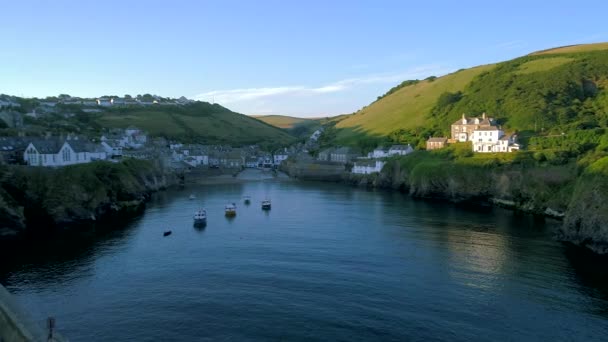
(33, 200)
(557, 191)
(586, 221)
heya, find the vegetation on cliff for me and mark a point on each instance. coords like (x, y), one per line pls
(34, 199)
(543, 94)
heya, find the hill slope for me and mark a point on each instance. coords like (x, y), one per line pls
(200, 122)
(281, 121)
(557, 90)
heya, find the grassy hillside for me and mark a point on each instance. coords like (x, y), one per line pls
(549, 92)
(281, 121)
(406, 108)
(200, 122)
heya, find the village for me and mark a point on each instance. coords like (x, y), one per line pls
(482, 132)
(485, 135)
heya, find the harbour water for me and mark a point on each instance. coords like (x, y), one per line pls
(327, 262)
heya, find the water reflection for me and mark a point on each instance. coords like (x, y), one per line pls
(373, 263)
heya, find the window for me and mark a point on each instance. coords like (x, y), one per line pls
(66, 155)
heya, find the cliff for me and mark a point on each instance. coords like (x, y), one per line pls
(575, 192)
(39, 200)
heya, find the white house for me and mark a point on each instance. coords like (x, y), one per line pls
(54, 152)
(112, 147)
(315, 136)
(251, 162)
(493, 139)
(400, 150)
(366, 167)
(379, 152)
(279, 156)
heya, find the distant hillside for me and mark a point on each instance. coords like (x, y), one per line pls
(554, 90)
(280, 121)
(200, 122)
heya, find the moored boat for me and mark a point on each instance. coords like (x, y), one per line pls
(192, 197)
(247, 199)
(230, 210)
(266, 204)
(200, 217)
(167, 233)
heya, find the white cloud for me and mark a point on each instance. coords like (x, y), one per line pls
(235, 95)
(249, 100)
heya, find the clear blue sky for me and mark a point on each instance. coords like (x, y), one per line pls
(305, 58)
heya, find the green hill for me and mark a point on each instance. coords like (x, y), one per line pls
(550, 91)
(281, 121)
(199, 122)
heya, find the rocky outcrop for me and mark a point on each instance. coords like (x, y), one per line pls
(38, 200)
(586, 220)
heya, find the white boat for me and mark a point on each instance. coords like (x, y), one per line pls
(230, 210)
(192, 197)
(266, 204)
(200, 216)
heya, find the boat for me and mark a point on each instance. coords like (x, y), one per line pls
(200, 217)
(230, 210)
(266, 204)
(192, 197)
(247, 199)
(167, 233)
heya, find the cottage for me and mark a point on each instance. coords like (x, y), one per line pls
(56, 152)
(325, 155)
(279, 156)
(435, 143)
(251, 162)
(366, 167)
(11, 150)
(379, 152)
(342, 155)
(462, 130)
(493, 139)
(400, 150)
(113, 148)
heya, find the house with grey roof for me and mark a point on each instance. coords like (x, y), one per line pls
(343, 155)
(58, 152)
(400, 150)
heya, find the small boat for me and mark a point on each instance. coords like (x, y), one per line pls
(266, 205)
(167, 233)
(247, 199)
(200, 217)
(192, 197)
(230, 210)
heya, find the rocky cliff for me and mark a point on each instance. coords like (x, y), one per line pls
(38, 200)
(577, 194)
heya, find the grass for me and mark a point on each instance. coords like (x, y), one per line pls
(281, 121)
(542, 65)
(202, 123)
(406, 108)
(573, 49)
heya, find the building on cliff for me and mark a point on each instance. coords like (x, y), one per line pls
(365, 167)
(60, 152)
(493, 139)
(462, 130)
(400, 150)
(435, 143)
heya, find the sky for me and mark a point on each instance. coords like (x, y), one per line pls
(303, 58)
